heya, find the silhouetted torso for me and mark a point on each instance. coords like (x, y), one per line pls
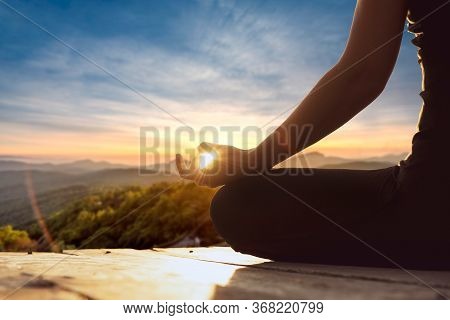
(429, 161)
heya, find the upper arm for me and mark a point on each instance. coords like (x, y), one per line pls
(375, 39)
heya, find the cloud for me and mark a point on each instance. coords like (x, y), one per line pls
(206, 62)
(250, 65)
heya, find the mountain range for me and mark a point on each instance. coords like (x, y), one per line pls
(80, 166)
(319, 160)
(57, 185)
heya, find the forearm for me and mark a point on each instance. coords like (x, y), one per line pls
(335, 99)
(357, 79)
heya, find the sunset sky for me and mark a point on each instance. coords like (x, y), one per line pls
(208, 63)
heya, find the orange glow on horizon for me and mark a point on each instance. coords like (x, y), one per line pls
(349, 142)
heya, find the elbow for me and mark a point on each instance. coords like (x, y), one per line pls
(372, 89)
(375, 81)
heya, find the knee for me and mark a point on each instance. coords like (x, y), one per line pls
(221, 209)
(226, 213)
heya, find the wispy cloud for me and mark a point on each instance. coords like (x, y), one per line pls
(244, 62)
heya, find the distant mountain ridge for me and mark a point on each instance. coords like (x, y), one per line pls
(308, 159)
(319, 160)
(79, 166)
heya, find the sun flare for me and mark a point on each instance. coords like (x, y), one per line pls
(206, 159)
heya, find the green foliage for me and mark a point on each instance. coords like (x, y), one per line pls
(14, 240)
(135, 217)
(55, 189)
(17, 210)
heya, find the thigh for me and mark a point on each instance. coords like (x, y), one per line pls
(343, 196)
(296, 201)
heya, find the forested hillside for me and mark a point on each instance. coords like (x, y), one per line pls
(134, 217)
(54, 190)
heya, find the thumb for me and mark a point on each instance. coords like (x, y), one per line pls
(206, 147)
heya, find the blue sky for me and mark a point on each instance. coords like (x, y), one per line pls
(207, 62)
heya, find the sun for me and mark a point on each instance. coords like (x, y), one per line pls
(206, 159)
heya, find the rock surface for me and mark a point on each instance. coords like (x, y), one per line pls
(202, 273)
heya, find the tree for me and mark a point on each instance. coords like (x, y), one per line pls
(14, 240)
(136, 217)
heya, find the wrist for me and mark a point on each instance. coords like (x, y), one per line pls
(258, 160)
(267, 154)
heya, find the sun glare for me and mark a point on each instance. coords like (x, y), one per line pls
(206, 159)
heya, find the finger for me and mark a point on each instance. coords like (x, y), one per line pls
(192, 165)
(184, 171)
(179, 163)
(187, 168)
(206, 147)
(191, 171)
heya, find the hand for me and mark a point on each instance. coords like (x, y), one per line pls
(217, 165)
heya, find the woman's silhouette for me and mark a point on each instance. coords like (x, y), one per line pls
(398, 215)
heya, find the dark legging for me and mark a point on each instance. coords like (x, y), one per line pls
(350, 217)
